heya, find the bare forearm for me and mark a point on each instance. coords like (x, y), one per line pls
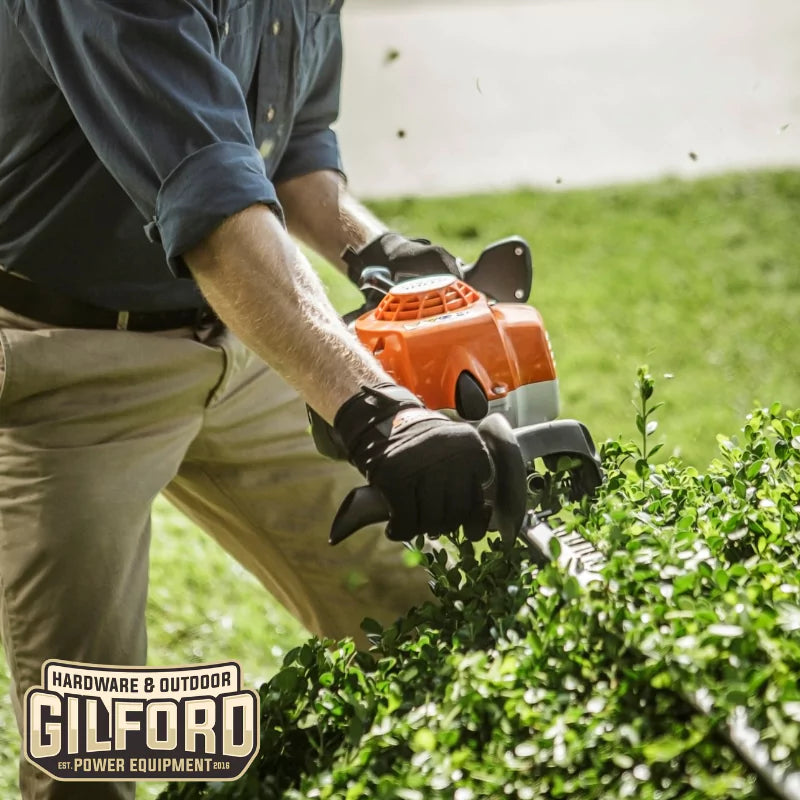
(322, 213)
(263, 288)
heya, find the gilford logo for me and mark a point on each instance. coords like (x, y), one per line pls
(91, 722)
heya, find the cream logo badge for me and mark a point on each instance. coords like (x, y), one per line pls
(92, 722)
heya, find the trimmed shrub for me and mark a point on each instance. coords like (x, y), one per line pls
(520, 682)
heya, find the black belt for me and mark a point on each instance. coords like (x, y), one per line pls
(29, 299)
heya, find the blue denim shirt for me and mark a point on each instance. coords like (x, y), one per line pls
(123, 121)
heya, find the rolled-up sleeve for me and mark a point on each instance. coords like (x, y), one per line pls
(313, 144)
(163, 114)
(206, 187)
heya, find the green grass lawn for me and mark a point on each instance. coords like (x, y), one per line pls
(699, 280)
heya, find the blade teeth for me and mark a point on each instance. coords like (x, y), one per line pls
(579, 542)
(573, 538)
(575, 544)
(579, 554)
(581, 548)
(586, 554)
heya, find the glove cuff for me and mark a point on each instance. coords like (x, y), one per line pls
(367, 412)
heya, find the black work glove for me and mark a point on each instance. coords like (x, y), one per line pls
(430, 469)
(404, 258)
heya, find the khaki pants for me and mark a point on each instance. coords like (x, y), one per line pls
(93, 425)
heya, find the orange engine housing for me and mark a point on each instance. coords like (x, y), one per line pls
(427, 331)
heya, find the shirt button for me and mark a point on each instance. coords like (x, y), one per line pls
(267, 146)
(269, 114)
(276, 27)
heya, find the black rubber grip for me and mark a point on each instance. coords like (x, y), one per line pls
(364, 506)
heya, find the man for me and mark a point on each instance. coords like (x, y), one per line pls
(205, 122)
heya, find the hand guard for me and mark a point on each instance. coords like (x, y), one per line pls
(430, 469)
(404, 258)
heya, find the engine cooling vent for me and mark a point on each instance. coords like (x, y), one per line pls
(425, 297)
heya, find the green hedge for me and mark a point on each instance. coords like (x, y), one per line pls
(520, 683)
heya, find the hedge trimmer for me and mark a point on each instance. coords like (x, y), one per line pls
(473, 348)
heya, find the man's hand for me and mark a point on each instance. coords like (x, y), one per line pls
(430, 469)
(404, 258)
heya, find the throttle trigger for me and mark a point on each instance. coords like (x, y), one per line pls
(510, 489)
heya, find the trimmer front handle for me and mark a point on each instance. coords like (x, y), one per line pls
(503, 272)
(512, 453)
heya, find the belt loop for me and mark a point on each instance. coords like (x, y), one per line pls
(122, 321)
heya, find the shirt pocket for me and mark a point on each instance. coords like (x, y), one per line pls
(239, 42)
(322, 32)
